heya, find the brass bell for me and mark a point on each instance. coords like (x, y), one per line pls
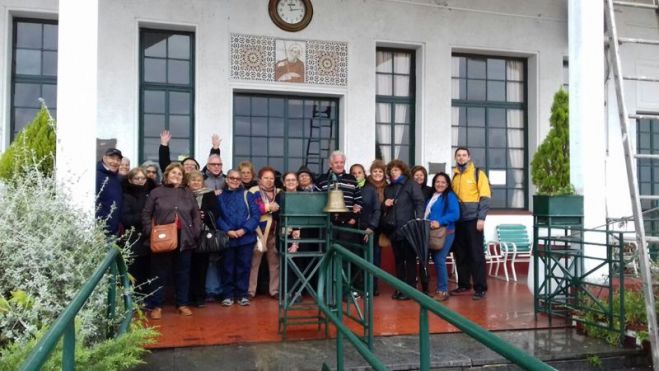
(335, 202)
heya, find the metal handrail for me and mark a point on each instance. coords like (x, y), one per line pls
(64, 326)
(336, 253)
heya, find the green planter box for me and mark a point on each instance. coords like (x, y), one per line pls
(304, 208)
(558, 210)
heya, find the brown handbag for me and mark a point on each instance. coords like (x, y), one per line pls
(164, 237)
(437, 239)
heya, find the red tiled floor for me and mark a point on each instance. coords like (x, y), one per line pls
(507, 306)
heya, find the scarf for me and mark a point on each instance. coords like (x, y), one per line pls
(379, 187)
(463, 168)
(361, 183)
(432, 201)
(401, 180)
(199, 194)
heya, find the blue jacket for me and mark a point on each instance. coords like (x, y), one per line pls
(108, 194)
(451, 215)
(234, 215)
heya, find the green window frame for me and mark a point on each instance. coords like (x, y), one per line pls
(33, 70)
(395, 104)
(489, 116)
(285, 132)
(166, 92)
(647, 142)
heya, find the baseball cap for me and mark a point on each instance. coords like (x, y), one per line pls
(113, 152)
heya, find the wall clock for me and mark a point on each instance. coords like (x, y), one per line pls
(291, 15)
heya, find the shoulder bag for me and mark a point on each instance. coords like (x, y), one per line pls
(212, 240)
(164, 237)
(437, 238)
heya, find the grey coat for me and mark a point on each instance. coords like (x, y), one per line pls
(410, 202)
(164, 203)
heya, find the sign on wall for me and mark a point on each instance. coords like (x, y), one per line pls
(264, 58)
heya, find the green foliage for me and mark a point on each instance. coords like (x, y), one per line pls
(550, 167)
(35, 144)
(595, 361)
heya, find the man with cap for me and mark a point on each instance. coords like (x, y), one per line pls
(305, 180)
(109, 194)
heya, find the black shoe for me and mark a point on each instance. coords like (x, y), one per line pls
(403, 297)
(199, 303)
(395, 295)
(459, 291)
(478, 295)
(376, 293)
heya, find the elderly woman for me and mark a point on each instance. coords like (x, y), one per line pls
(305, 180)
(135, 195)
(403, 198)
(239, 218)
(124, 168)
(420, 175)
(265, 194)
(153, 174)
(247, 174)
(376, 182)
(163, 206)
(210, 210)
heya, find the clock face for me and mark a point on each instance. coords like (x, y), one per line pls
(291, 11)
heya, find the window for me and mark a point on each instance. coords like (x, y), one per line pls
(33, 70)
(166, 92)
(394, 105)
(489, 118)
(647, 142)
(284, 132)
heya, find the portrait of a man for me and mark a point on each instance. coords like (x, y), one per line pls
(290, 61)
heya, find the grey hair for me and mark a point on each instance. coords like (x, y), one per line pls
(148, 163)
(337, 153)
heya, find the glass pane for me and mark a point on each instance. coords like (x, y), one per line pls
(241, 105)
(402, 114)
(312, 109)
(260, 126)
(498, 198)
(497, 138)
(383, 152)
(150, 149)
(295, 108)
(28, 62)
(28, 35)
(458, 67)
(241, 145)
(50, 36)
(516, 158)
(496, 90)
(496, 158)
(178, 147)
(276, 127)
(154, 125)
(179, 47)
(179, 102)
(645, 173)
(178, 72)
(475, 68)
(154, 44)
(402, 134)
(460, 116)
(296, 147)
(295, 128)
(259, 106)
(49, 64)
(383, 62)
(496, 69)
(516, 138)
(325, 131)
(276, 107)
(515, 70)
(154, 70)
(402, 63)
(383, 134)
(242, 125)
(401, 86)
(515, 119)
(515, 178)
(455, 136)
(276, 148)
(383, 85)
(277, 163)
(179, 125)
(154, 101)
(259, 162)
(294, 164)
(515, 92)
(516, 198)
(259, 146)
(475, 137)
(496, 117)
(382, 112)
(476, 89)
(458, 89)
(26, 95)
(49, 94)
(475, 116)
(404, 154)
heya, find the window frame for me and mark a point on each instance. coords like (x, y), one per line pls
(651, 223)
(489, 104)
(392, 100)
(167, 88)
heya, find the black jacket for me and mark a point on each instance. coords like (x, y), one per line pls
(209, 205)
(371, 210)
(410, 202)
(131, 217)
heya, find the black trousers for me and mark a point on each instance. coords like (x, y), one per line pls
(139, 268)
(469, 256)
(405, 258)
(198, 270)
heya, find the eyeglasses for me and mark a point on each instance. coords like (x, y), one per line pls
(290, 180)
(233, 178)
(139, 178)
(214, 164)
(151, 172)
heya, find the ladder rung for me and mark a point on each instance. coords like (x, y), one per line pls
(649, 197)
(651, 239)
(644, 117)
(637, 41)
(635, 4)
(646, 156)
(641, 78)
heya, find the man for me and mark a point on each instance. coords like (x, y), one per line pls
(347, 183)
(109, 194)
(290, 69)
(213, 174)
(472, 187)
(189, 163)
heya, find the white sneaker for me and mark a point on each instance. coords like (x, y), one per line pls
(227, 302)
(243, 302)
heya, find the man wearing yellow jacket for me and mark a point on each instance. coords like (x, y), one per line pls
(472, 187)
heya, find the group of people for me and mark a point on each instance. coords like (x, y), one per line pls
(245, 205)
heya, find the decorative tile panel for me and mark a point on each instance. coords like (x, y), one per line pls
(327, 62)
(252, 57)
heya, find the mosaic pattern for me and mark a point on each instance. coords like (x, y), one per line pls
(253, 58)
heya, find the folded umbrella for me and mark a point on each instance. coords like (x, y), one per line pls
(417, 232)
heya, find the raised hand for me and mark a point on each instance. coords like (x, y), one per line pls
(165, 137)
(216, 140)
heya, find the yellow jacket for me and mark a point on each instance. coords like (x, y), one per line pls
(474, 198)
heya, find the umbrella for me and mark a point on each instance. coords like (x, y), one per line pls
(416, 232)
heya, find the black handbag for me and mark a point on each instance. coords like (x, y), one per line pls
(388, 219)
(212, 240)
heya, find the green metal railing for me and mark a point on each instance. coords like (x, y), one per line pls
(333, 264)
(64, 326)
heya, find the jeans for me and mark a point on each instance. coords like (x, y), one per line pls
(439, 257)
(213, 280)
(162, 266)
(235, 271)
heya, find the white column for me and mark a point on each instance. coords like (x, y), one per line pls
(77, 70)
(587, 123)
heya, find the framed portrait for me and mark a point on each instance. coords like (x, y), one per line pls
(290, 60)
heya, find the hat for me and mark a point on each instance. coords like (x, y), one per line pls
(113, 152)
(304, 169)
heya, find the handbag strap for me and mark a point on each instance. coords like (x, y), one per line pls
(249, 213)
(212, 218)
(153, 220)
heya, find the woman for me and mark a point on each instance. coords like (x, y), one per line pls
(305, 179)
(207, 203)
(247, 174)
(153, 174)
(162, 207)
(443, 210)
(376, 182)
(239, 218)
(265, 194)
(135, 195)
(358, 171)
(420, 175)
(403, 198)
(124, 168)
